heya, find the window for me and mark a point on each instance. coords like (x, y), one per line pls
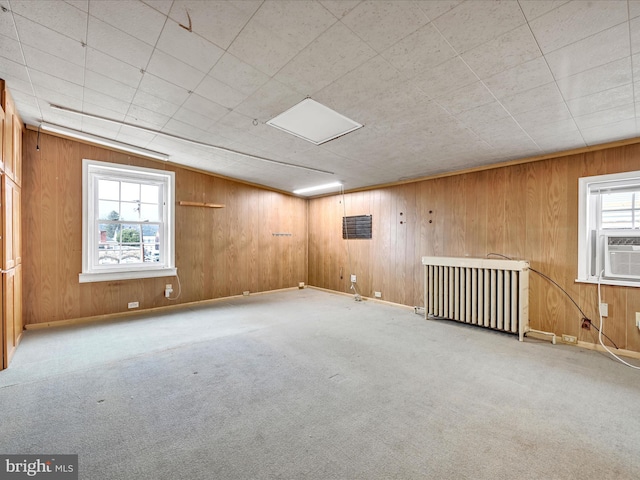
(127, 221)
(609, 229)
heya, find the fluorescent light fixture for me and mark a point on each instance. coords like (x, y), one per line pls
(317, 188)
(188, 140)
(105, 142)
(314, 122)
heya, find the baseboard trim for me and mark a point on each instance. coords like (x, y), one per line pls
(137, 312)
(597, 347)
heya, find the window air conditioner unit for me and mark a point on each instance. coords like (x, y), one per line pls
(622, 255)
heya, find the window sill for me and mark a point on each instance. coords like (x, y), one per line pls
(610, 281)
(128, 275)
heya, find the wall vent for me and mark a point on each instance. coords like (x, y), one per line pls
(357, 226)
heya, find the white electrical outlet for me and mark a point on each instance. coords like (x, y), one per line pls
(604, 309)
(133, 304)
(638, 320)
(377, 294)
(353, 278)
(245, 293)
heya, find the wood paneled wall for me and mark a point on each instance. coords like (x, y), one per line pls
(219, 252)
(527, 211)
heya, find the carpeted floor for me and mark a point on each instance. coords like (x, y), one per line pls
(305, 384)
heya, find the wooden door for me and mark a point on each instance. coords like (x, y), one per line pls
(9, 223)
(9, 324)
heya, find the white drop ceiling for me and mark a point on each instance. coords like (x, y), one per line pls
(439, 85)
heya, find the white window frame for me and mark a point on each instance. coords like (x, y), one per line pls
(591, 258)
(92, 171)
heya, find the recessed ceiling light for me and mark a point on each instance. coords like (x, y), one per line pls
(314, 122)
(317, 188)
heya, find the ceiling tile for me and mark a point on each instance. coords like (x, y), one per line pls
(218, 21)
(118, 44)
(552, 128)
(219, 92)
(483, 115)
(533, 99)
(610, 133)
(506, 51)
(473, 23)
(16, 84)
(189, 117)
(444, 78)
(132, 135)
(163, 6)
(328, 58)
(564, 141)
(163, 89)
(13, 69)
(147, 118)
(435, 9)
(423, 49)
(156, 104)
(57, 117)
(614, 97)
(205, 107)
(383, 23)
(174, 71)
(535, 8)
(108, 86)
(596, 79)
(634, 31)
(505, 126)
(41, 79)
(131, 16)
(46, 40)
(601, 48)
(234, 72)
(7, 25)
(261, 49)
(466, 98)
(10, 49)
(520, 78)
(340, 8)
(60, 17)
(604, 117)
(548, 113)
(79, 4)
(99, 127)
(99, 99)
(188, 131)
(634, 8)
(112, 68)
(189, 47)
(55, 66)
(295, 22)
(575, 21)
(268, 101)
(372, 79)
(48, 97)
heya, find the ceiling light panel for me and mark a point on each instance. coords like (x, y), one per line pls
(314, 122)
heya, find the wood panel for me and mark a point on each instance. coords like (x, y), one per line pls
(525, 211)
(219, 252)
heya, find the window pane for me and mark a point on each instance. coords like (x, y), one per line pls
(108, 210)
(107, 233)
(130, 211)
(131, 244)
(149, 193)
(151, 243)
(149, 213)
(130, 192)
(620, 210)
(108, 190)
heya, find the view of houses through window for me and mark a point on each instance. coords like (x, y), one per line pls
(129, 222)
